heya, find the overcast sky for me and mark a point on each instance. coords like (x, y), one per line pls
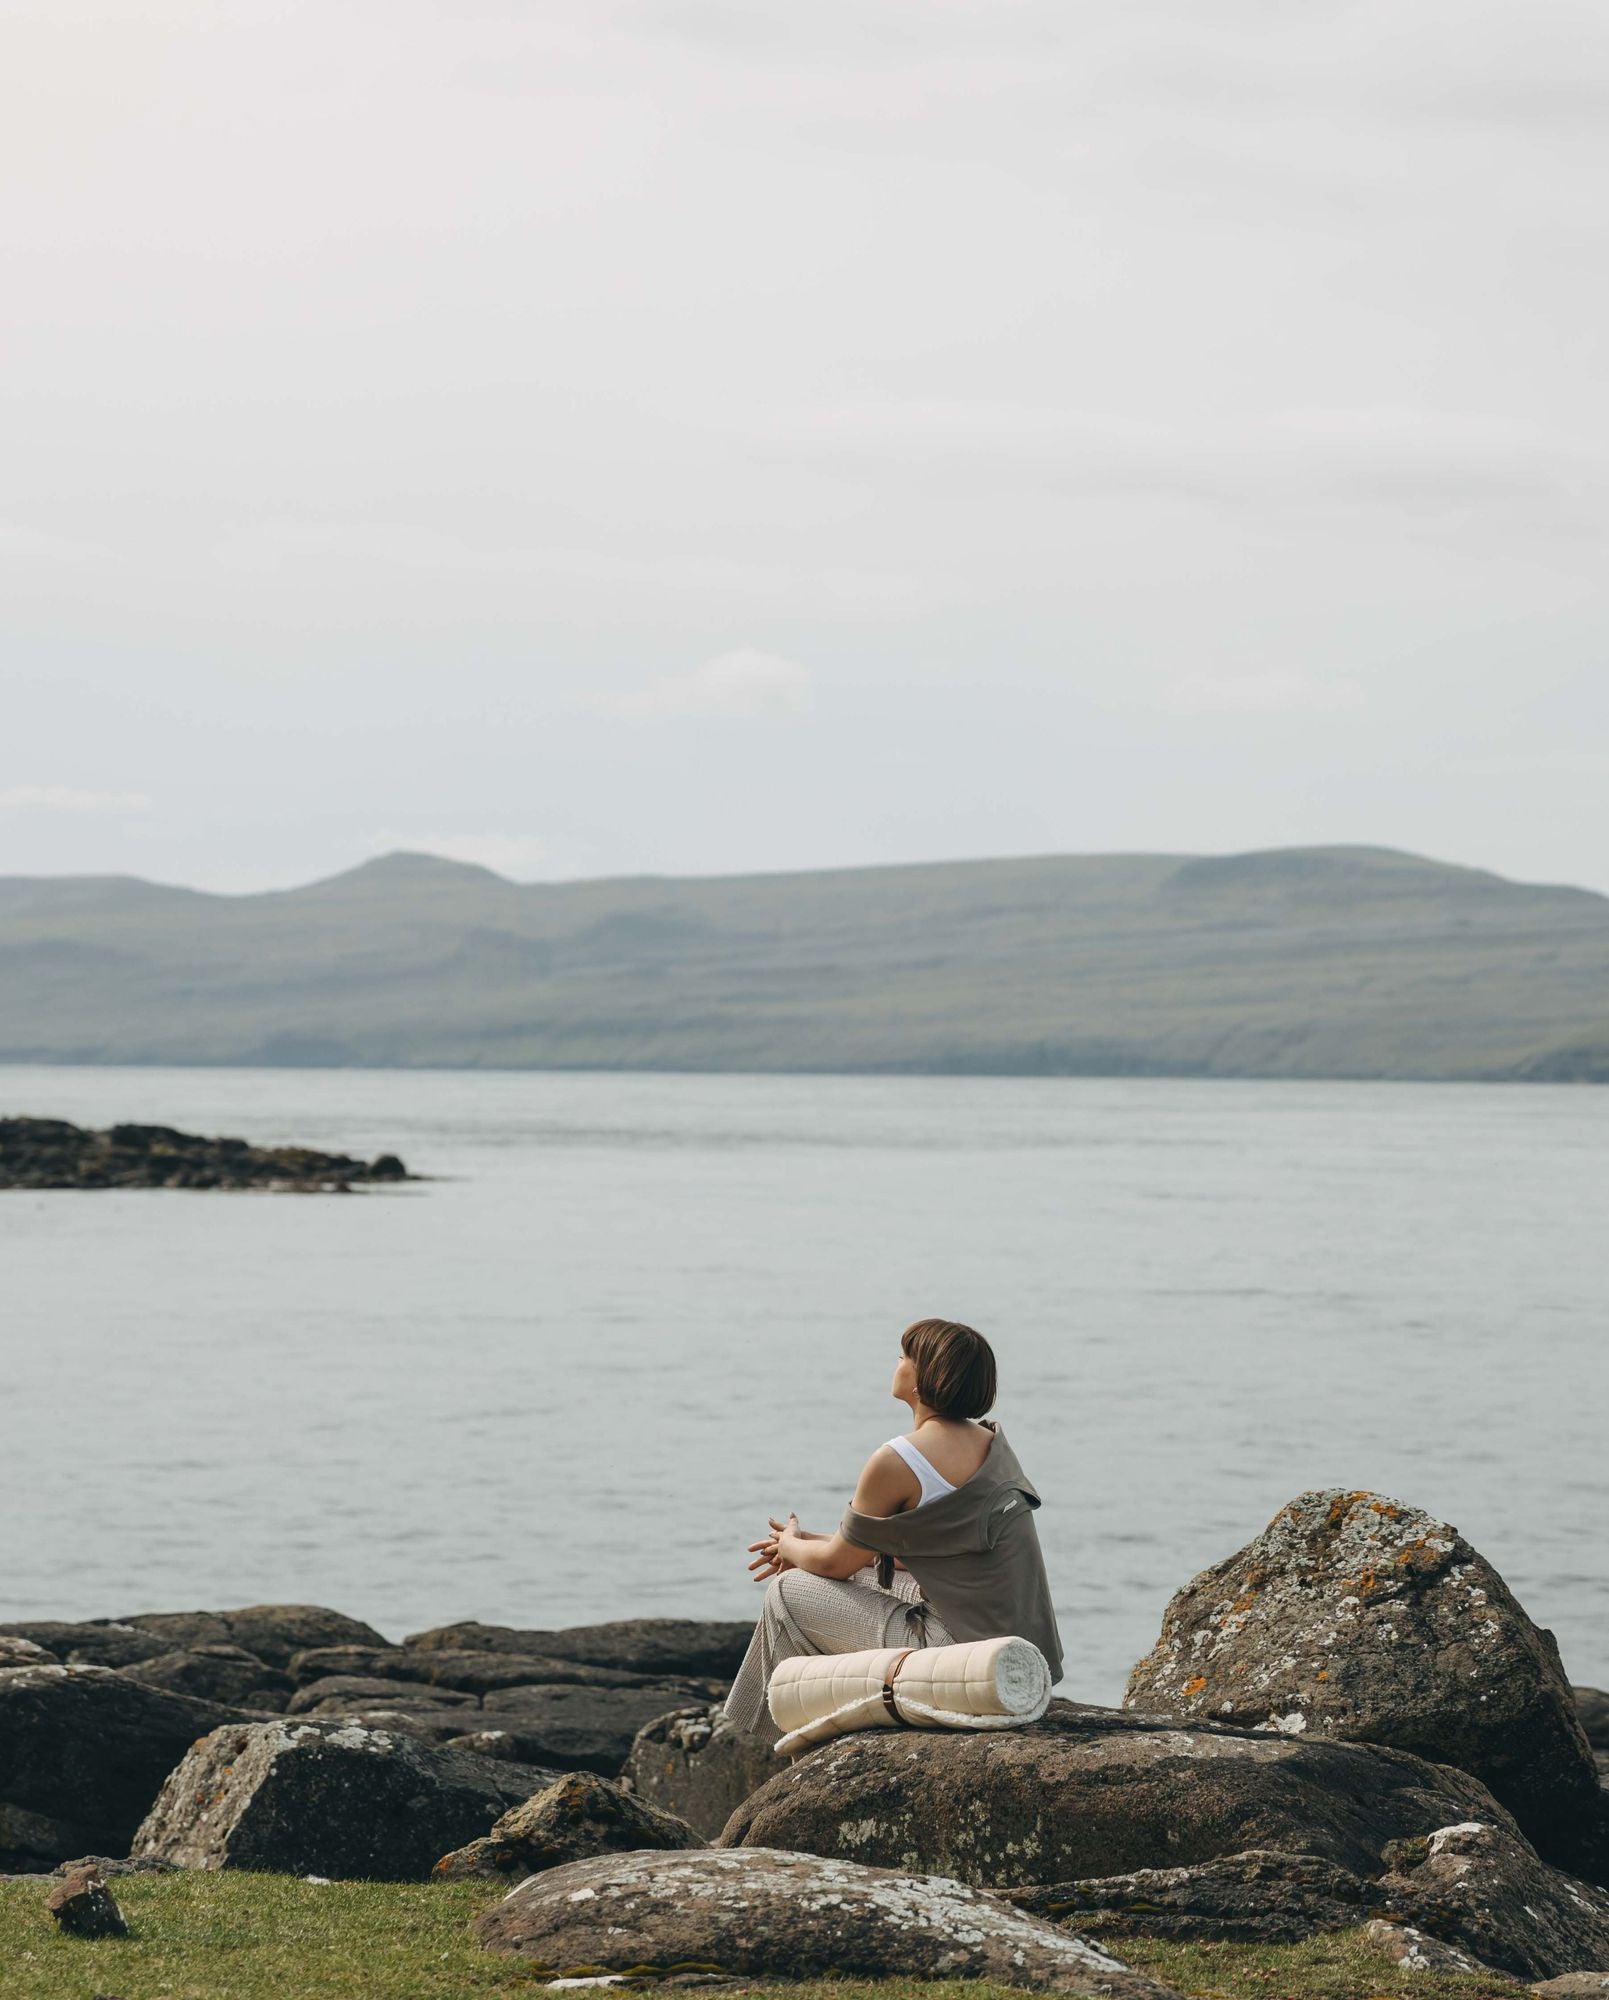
(592, 437)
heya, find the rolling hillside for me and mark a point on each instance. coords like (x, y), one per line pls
(1357, 962)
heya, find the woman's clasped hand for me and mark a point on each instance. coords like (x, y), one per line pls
(769, 1560)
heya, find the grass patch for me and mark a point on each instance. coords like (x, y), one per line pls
(231, 1936)
(1337, 1965)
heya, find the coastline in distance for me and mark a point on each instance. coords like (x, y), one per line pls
(1305, 962)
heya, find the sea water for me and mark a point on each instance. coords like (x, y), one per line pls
(568, 1377)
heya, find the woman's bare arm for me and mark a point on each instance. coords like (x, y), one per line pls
(884, 1488)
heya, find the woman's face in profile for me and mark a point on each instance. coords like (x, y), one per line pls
(903, 1386)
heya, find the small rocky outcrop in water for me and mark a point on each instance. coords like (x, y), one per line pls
(1354, 1617)
(50, 1153)
(789, 1916)
(580, 1816)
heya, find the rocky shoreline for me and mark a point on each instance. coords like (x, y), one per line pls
(50, 1153)
(1350, 1722)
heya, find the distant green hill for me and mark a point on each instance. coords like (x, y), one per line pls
(1344, 962)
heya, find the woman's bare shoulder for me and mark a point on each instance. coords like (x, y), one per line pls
(886, 1485)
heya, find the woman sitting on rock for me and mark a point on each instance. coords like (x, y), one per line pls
(937, 1545)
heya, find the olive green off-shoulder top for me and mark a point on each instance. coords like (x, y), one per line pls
(975, 1553)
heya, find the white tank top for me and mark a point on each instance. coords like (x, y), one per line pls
(934, 1483)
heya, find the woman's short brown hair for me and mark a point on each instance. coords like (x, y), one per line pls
(954, 1366)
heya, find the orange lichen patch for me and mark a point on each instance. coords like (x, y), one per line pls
(1419, 1554)
(1342, 1505)
(1195, 1686)
(1323, 1674)
(1243, 1603)
(1385, 1507)
(1360, 1585)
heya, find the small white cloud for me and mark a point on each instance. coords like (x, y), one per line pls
(743, 682)
(1276, 692)
(68, 798)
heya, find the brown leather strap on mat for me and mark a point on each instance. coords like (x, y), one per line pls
(888, 1683)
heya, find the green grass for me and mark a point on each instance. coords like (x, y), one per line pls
(274, 1937)
(1338, 1965)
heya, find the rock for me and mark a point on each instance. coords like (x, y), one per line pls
(16, 1652)
(1415, 1952)
(1574, 1986)
(1259, 1896)
(83, 1752)
(307, 1798)
(474, 1673)
(657, 1646)
(499, 1743)
(50, 1153)
(581, 1815)
(1483, 1887)
(695, 1763)
(1092, 1792)
(577, 1728)
(345, 1692)
(760, 1914)
(83, 1905)
(226, 1674)
(94, 1642)
(1592, 1709)
(274, 1632)
(559, 1727)
(1354, 1617)
(112, 1864)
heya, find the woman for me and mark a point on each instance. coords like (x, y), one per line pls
(945, 1516)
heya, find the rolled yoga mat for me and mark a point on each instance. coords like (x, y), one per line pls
(981, 1684)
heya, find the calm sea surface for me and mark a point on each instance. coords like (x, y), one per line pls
(568, 1379)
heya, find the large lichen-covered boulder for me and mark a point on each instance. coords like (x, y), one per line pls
(695, 1763)
(83, 1752)
(1354, 1617)
(1484, 1887)
(581, 1815)
(788, 1916)
(657, 1646)
(1091, 1792)
(327, 1799)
